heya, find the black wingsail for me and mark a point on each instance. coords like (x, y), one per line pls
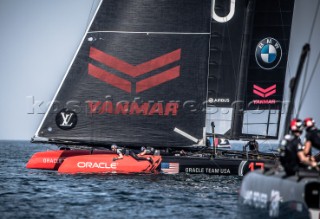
(156, 72)
(227, 30)
(266, 69)
(248, 58)
(140, 73)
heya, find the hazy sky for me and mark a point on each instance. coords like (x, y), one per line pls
(39, 38)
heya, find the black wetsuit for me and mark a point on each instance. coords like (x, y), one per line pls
(253, 146)
(289, 159)
(149, 151)
(313, 135)
(132, 154)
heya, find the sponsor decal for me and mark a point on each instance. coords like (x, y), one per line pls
(170, 168)
(256, 199)
(268, 53)
(226, 18)
(134, 108)
(218, 100)
(274, 203)
(134, 71)
(52, 160)
(100, 165)
(208, 170)
(264, 93)
(256, 165)
(66, 119)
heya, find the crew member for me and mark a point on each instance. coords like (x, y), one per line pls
(253, 146)
(291, 150)
(117, 150)
(147, 151)
(312, 136)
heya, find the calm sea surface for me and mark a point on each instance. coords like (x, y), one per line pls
(26, 193)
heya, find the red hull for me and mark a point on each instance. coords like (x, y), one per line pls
(51, 160)
(103, 163)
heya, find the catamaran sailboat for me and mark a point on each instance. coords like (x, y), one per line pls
(159, 74)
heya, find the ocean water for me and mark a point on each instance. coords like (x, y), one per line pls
(26, 193)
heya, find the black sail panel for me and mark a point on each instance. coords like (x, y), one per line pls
(141, 72)
(248, 58)
(267, 68)
(225, 52)
(227, 30)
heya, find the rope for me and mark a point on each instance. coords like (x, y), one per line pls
(88, 20)
(310, 79)
(305, 89)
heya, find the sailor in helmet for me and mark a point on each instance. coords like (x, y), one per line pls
(312, 136)
(291, 150)
(117, 150)
(147, 151)
(253, 146)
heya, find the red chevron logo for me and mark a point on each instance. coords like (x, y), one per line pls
(264, 92)
(134, 70)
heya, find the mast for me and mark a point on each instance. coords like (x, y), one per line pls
(236, 127)
(294, 82)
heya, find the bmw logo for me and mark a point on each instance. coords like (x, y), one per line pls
(268, 53)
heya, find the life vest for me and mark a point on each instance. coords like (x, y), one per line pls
(289, 148)
(313, 135)
(149, 150)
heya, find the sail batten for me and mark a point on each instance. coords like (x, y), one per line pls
(125, 32)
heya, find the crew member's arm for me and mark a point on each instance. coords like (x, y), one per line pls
(307, 147)
(306, 160)
(142, 153)
(245, 147)
(307, 150)
(120, 155)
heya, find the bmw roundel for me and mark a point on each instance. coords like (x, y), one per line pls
(268, 53)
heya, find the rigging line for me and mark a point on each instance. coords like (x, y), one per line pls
(284, 35)
(314, 21)
(304, 90)
(232, 58)
(88, 20)
(65, 76)
(208, 73)
(288, 62)
(310, 79)
(303, 86)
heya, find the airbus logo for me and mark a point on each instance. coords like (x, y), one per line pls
(218, 100)
(134, 71)
(268, 53)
